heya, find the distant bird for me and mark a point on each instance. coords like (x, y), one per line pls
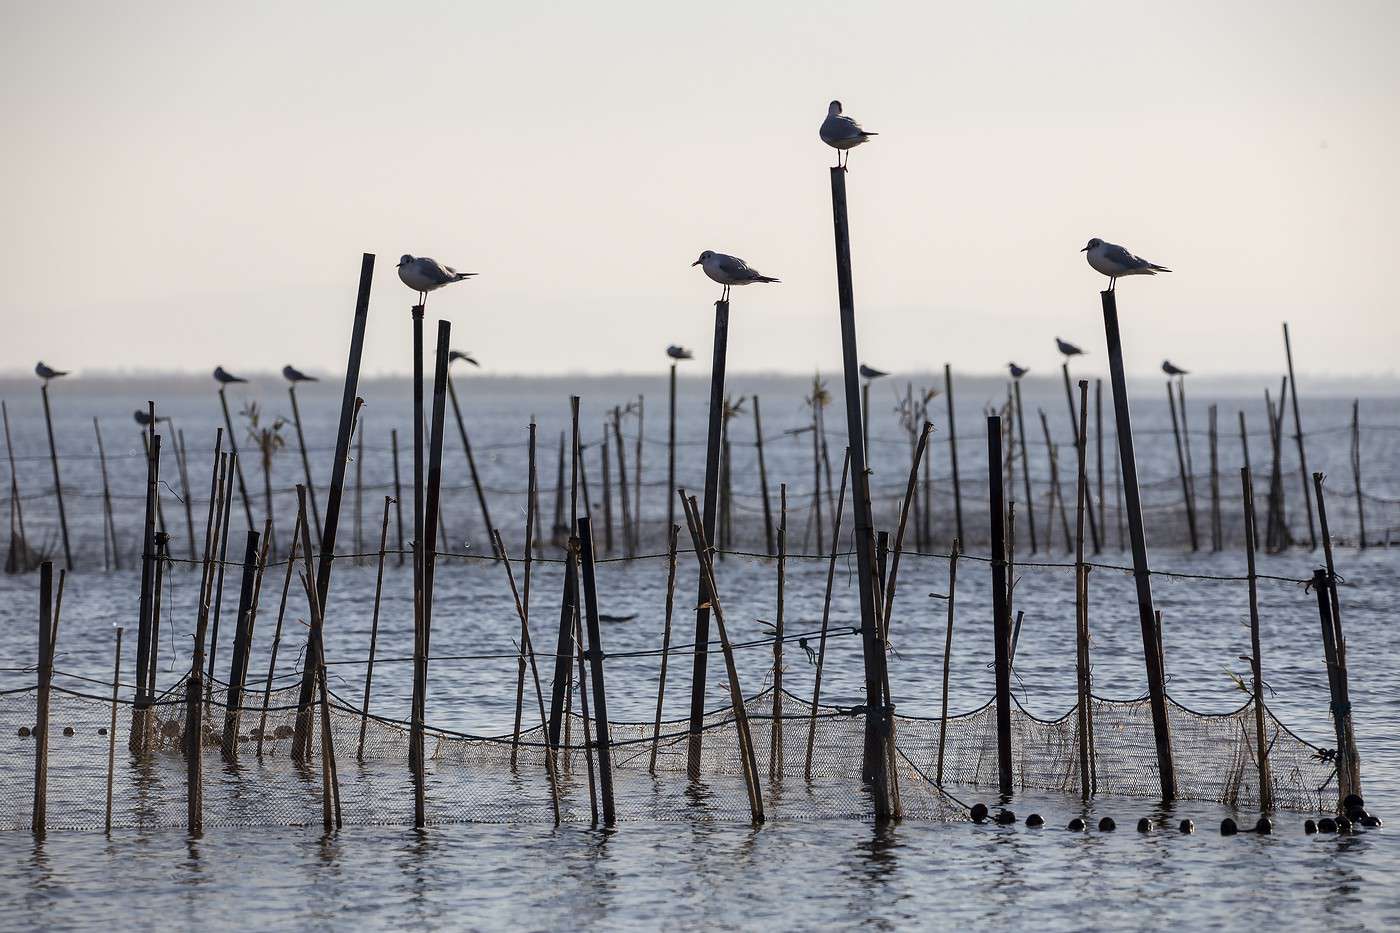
(46, 372)
(1067, 348)
(1172, 370)
(870, 372)
(425, 275)
(224, 377)
(454, 355)
(292, 374)
(143, 417)
(1017, 371)
(677, 352)
(842, 133)
(729, 270)
(1113, 260)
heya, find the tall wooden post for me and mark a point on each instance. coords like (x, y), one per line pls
(112, 731)
(144, 646)
(306, 461)
(398, 493)
(20, 556)
(1026, 469)
(110, 546)
(1098, 452)
(1356, 472)
(1084, 709)
(41, 714)
(1266, 790)
(1181, 469)
(1074, 421)
(671, 454)
(238, 463)
(1341, 708)
(953, 450)
(242, 638)
(762, 479)
(594, 655)
(1298, 436)
(1152, 655)
(471, 466)
(1001, 619)
(877, 711)
(1217, 529)
(57, 483)
(182, 463)
(702, 611)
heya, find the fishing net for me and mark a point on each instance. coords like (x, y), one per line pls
(499, 779)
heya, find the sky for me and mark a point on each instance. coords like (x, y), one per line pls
(191, 184)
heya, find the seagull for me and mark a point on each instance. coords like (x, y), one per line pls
(424, 275)
(841, 132)
(729, 270)
(292, 374)
(1016, 371)
(1172, 370)
(224, 377)
(678, 352)
(454, 355)
(47, 372)
(1067, 348)
(1113, 260)
(870, 372)
(143, 417)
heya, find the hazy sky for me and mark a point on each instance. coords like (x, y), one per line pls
(193, 183)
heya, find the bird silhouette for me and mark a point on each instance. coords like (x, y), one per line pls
(46, 372)
(292, 374)
(678, 352)
(454, 355)
(1113, 260)
(1067, 348)
(842, 133)
(1017, 371)
(224, 377)
(729, 270)
(870, 372)
(424, 275)
(143, 417)
(1173, 370)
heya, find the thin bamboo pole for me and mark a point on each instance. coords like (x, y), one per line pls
(1298, 436)
(1001, 621)
(1356, 472)
(1075, 421)
(277, 633)
(953, 450)
(775, 749)
(671, 453)
(665, 642)
(398, 494)
(531, 517)
(374, 629)
(471, 462)
(144, 647)
(223, 562)
(110, 547)
(1056, 496)
(606, 459)
(57, 483)
(947, 656)
(629, 544)
(763, 478)
(237, 463)
(306, 461)
(826, 613)
(1026, 471)
(1266, 788)
(1185, 475)
(594, 655)
(1186, 442)
(1098, 453)
(1081, 606)
(359, 493)
(39, 823)
(1342, 707)
(1217, 528)
(15, 563)
(112, 733)
(637, 486)
(1244, 447)
(182, 463)
(242, 634)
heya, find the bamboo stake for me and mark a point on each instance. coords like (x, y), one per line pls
(637, 486)
(148, 677)
(627, 537)
(306, 462)
(763, 479)
(223, 562)
(160, 506)
(330, 782)
(471, 462)
(909, 495)
(242, 633)
(817, 458)
(1026, 471)
(671, 537)
(1298, 436)
(1266, 789)
(775, 749)
(595, 655)
(139, 709)
(277, 633)
(374, 628)
(560, 528)
(1186, 440)
(1185, 476)
(57, 483)
(579, 652)
(359, 493)
(531, 517)
(671, 453)
(1081, 607)
(1244, 447)
(947, 655)
(1217, 529)
(607, 491)
(398, 493)
(1056, 496)
(527, 649)
(1339, 707)
(1342, 707)
(953, 450)
(1356, 471)
(1075, 421)
(1001, 620)
(1098, 453)
(182, 462)
(736, 693)
(14, 564)
(39, 824)
(237, 463)
(112, 733)
(109, 528)
(826, 613)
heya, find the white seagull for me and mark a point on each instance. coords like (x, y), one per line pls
(424, 275)
(1113, 260)
(729, 270)
(841, 132)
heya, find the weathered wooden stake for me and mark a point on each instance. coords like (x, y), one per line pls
(1244, 447)
(953, 450)
(1356, 472)
(1185, 476)
(471, 463)
(671, 453)
(1026, 471)
(594, 654)
(306, 461)
(775, 747)
(112, 733)
(182, 463)
(223, 562)
(277, 633)
(1056, 496)
(1298, 436)
(374, 628)
(1098, 453)
(47, 636)
(398, 493)
(238, 667)
(1266, 788)
(1340, 706)
(763, 479)
(826, 612)
(144, 646)
(20, 557)
(1081, 598)
(1075, 421)
(237, 463)
(1352, 772)
(359, 493)
(110, 547)
(1001, 620)
(665, 642)
(606, 459)
(57, 483)
(637, 486)
(1217, 529)
(947, 656)
(1156, 680)
(628, 540)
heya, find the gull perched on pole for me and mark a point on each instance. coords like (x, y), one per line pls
(46, 372)
(224, 377)
(677, 352)
(1113, 260)
(1017, 371)
(143, 417)
(728, 271)
(870, 372)
(424, 275)
(1173, 370)
(1067, 348)
(842, 133)
(292, 374)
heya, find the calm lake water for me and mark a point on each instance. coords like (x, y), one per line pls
(800, 874)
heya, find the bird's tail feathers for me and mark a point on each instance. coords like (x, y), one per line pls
(765, 278)
(870, 133)
(1156, 268)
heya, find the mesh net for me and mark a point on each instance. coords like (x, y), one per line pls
(495, 779)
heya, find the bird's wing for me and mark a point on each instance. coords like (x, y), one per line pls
(1115, 253)
(733, 266)
(839, 126)
(435, 271)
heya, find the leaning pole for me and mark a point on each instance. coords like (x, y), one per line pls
(877, 707)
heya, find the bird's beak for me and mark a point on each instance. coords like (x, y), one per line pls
(1084, 250)
(695, 263)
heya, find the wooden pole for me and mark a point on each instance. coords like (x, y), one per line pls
(277, 633)
(607, 491)
(1156, 680)
(1186, 441)
(594, 655)
(817, 456)
(671, 454)
(471, 462)
(57, 483)
(1298, 436)
(763, 479)
(330, 782)
(703, 597)
(223, 562)
(1217, 529)
(160, 506)
(947, 656)
(14, 562)
(1056, 497)
(112, 733)
(182, 463)
(1356, 472)
(775, 749)
(306, 461)
(1075, 421)
(736, 693)
(637, 486)
(1026, 470)
(568, 604)
(110, 547)
(531, 515)
(359, 493)
(627, 538)
(1098, 453)
(1081, 596)
(237, 463)
(1001, 620)
(953, 449)
(147, 678)
(1266, 788)
(665, 642)
(238, 667)
(39, 824)
(374, 628)
(1342, 709)
(826, 613)
(877, 723)
(1244, 447)
(1185, 476)
(398, 493)
(144, 646)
